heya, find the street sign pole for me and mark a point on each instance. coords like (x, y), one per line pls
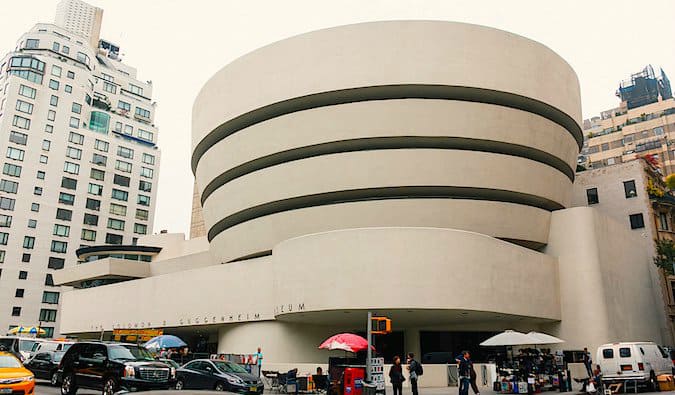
(369, 352)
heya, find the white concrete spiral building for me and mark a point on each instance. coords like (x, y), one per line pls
(420, 169)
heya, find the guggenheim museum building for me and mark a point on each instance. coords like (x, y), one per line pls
(422, 170)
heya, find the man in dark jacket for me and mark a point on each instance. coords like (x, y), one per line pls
(413, 368)
(464, 370)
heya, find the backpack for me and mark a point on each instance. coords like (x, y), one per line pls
(419, 369)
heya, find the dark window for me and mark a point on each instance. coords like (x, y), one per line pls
(90, 219)
(49, 280)
(624, 352)
(23, 275)
(121, 180)
(69, 183)
(93, 204)
(47, 315)
(608, 353)
(113, 238)
(66, 198)
(16, 311)
(592, 196)
(25, 258)
(62, 213)
(629, 189)
(636, 221)
(56, 263)
(50, 297)
(18, 293)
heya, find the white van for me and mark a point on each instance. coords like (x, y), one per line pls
(642, 361)
(19, 346)
(50, 345)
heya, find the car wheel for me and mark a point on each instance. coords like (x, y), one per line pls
(653, 382)
(54, 379)
(110, 386)
(220, 387)
(68, 385)
(180, 385)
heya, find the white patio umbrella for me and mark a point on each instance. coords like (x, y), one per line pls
(508, 338)
(544, 338)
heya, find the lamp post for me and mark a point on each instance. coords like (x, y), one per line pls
(369, 352)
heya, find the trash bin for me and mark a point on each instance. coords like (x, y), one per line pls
(369, 388)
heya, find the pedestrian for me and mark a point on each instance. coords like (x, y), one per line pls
(413, 369)
(396, 376)
(473, 374)
(258, 360)
(465, 366)
(588, 361)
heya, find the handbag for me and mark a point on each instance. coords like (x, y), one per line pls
(590, 387)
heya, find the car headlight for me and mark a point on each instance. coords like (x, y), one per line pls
(235, 380)
(129, 371)
(28, 378)
(173, 373)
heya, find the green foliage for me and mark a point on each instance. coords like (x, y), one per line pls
(665, 255)
(670, 181)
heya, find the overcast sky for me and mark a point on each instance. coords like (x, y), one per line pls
(179, 44)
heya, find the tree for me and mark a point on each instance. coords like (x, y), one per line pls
(670, 181)
(665, 255)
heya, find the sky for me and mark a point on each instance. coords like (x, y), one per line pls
(179, 45)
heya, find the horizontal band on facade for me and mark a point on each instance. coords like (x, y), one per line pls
(386, 92)
(386, 143)
(383, 193)
(117, 248)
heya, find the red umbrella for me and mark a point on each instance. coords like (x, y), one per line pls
(345, 341)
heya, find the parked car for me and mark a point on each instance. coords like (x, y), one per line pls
(45, 365)
(14, 378)
(217, 375)
(19, 346)
(633, 361)
(50, 345)
(112, 367)
(170, 362)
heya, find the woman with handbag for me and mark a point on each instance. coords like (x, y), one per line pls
(396, 376)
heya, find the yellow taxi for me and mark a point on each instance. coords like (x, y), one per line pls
(14, 378)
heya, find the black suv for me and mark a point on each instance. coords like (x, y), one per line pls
(112, 367)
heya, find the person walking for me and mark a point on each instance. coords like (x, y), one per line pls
(473, 376)
(258, 360)
(464, 370)
(413, 368)
(396, 376)
(588, 362)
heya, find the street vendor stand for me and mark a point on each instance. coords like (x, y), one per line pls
(346, 375)
(532, 370)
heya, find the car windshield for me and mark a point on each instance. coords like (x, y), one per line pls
(7, 344)
(57, 356)
(66, 347)
(132, 353)
(26, 345)
(7, 361)
(229, 367)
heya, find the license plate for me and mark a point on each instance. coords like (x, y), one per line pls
(5, 390)
(253, 389)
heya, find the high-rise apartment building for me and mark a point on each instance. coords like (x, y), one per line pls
(80, 18)
(79, 160)
(644, 123)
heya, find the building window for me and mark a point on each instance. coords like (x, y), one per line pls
(69, 183)
(5, 221)
(16, 311)
(51, 115)
(113, 238)
(74, 153)
(97, 174)
(27, 91)
(629, 189)
(76, 108)
(32, 43)
(47, 315)
(143, 200)
(7, 203)
(54, 101)
(142, 112)
(61, 230)
(115, 224)
(24, 107)
(29, 242)
(11, 170)
(56, 263)
(50, 297)
(146, 172)
(44, 159)
(121, 180)
(124, 106)
(142, 214)
(145, 135)
(74, 122)
(18, 138)
(21, 122)
(141, 229)
(64, 214)
(128, 129)
(118, 209)
(88, 235)
(35, 207)
(120, 195)
(76, 138)
(108, 87)
(93, 204)
(19, 293)
(40, 175)
(49, 129)
(636, 221)
(70, 75)
(144, 186)
(66, 198)
(25, 258)
(54, 84)
(23, 275)
(60, 247)
(72, 168)
(56, 46)
(99, 122)
(9, 186)
(37, 191)
(15, 153)
(68, 88)
(49, 280)
(4, 237)
(56, 70)
(90, 219)
(95, 189)
(32, 223)
(148, 159)
(100, 160)
(663, 221)
(137, 90)
(101, 145)
(125, 152)
(123, 166)
(46, 145)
